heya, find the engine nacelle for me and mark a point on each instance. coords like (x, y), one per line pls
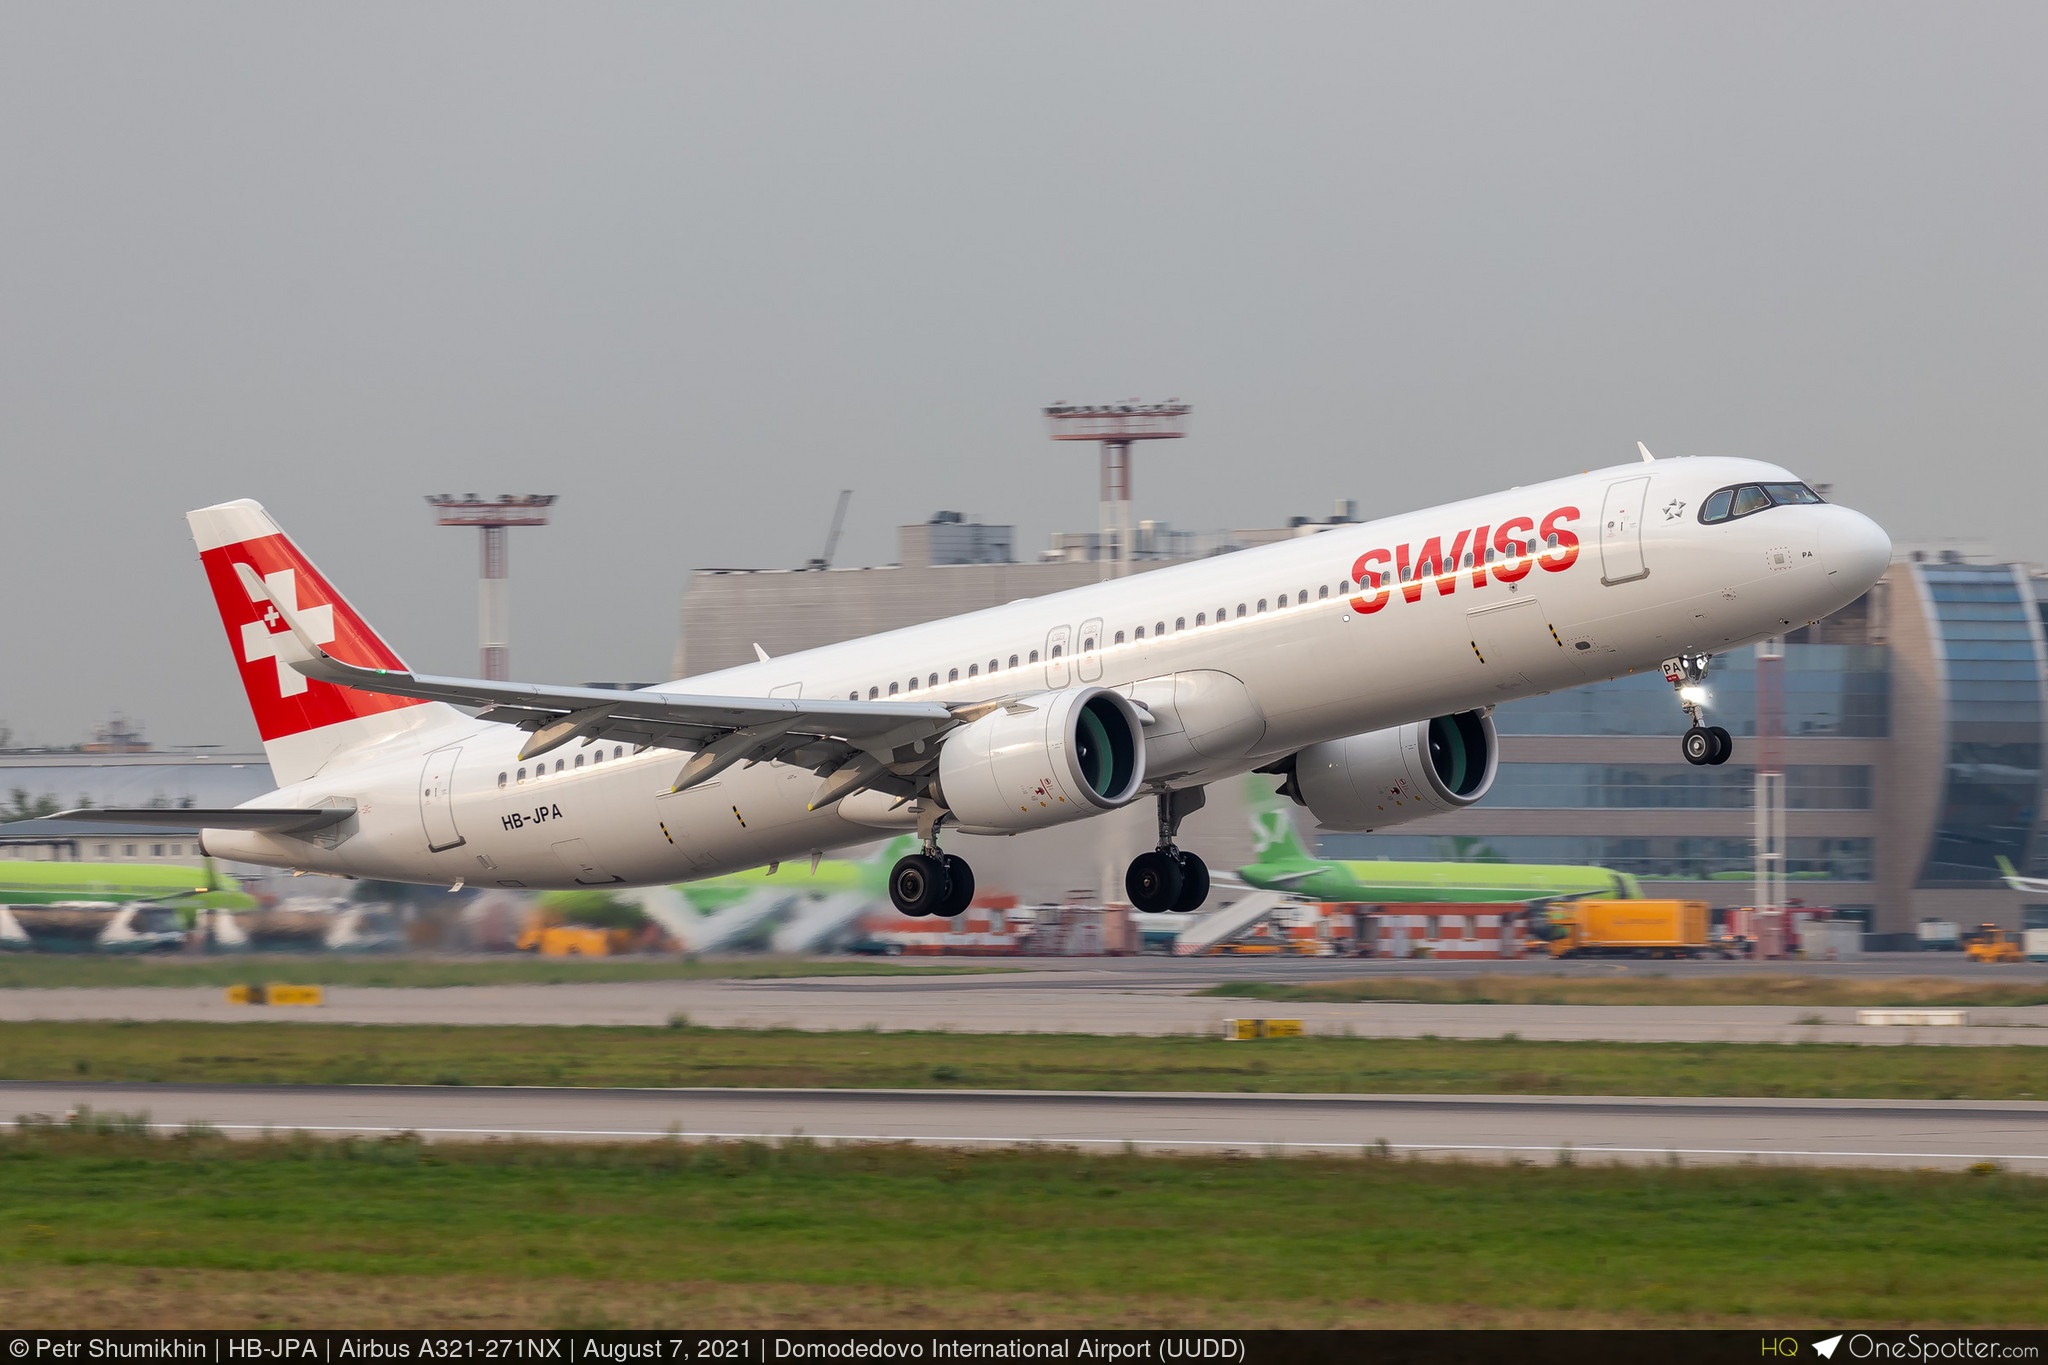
(1389, 777)
(1047, 758)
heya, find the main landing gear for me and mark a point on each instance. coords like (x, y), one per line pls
(930, 882)
(1169, 878)
(1703, 745)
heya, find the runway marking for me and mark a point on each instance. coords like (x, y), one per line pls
(1552, 1148)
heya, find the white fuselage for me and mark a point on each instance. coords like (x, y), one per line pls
(1233, 679)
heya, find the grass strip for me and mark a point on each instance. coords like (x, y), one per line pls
(20, 971)
(430, 1054)
(1654, 988)
(635, 1235)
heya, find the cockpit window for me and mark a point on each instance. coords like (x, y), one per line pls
(1749, 498)
(1729, 503)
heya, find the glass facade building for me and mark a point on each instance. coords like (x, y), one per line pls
(1988, 648)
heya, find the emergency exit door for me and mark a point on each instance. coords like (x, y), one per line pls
(1621, 531)
(437, 799)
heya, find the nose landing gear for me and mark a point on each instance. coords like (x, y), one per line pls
(1169, 878)
(930, 882)
(1703, 745)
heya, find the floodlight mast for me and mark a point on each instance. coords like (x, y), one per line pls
(1115, 426)
(491, 518)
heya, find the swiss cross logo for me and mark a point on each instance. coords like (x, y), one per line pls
(270, 638)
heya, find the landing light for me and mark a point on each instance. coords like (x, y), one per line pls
(1696, 695)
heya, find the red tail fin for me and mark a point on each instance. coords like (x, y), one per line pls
(285, 701)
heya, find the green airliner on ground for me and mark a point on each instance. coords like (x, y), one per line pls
(35, 883)
(1284, 865)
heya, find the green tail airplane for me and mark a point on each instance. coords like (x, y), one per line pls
(1282, 864)
(30, 883)
(832, 877)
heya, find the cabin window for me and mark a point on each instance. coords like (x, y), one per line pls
(952, 675)
(872, 693)
(912, 687)
(1302, 600)
(1344, 587)
(501, 779)
(1034, 658)
(932, 681)
(579, 760)
(558, 765)
(1322, 592)
(993, 665)
(1262, 606)
(1240, 609)
(892, 689)
(1201, 618)
(1552, 543)
(522, 774)
(1139, 633)
(617, 751)
(1120, 635)
(1057, 650)
(1157, 629)
(1034, 655)
(974, 670)
(1088, 644)
(853, 695)
(597, 756)
(1180, 623)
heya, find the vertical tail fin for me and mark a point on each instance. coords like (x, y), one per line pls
(303, 722)
(1275, 841)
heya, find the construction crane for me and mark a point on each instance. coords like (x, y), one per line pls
(824, 561)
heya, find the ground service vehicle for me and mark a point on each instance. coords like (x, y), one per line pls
(1992, 944)
(1357, 667)
(1644, 928)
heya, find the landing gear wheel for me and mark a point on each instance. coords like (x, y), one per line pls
(1153, 882)
(960, 880)
(1724, 745)
(1194, 882)
(918, 884)
(1698, 745)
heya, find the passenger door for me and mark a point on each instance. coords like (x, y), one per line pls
(1089, 661)
(437, 799)
(1621, 531)
(1057, 642)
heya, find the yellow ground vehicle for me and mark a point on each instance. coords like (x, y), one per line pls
(1638, 928)
(573, 940)
(1992, 944)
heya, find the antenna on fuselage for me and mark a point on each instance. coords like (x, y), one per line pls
(1648, 458)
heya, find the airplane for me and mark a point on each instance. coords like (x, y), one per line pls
(1358, 665)
(831, 877)
(811, 903)
(1283, 864)
(39, 883)
(2026, 886)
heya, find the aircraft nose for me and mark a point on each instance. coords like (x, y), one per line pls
(1855, 549)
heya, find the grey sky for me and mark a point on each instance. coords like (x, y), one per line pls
(695, 267)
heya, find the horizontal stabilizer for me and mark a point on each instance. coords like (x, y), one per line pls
(271, 820)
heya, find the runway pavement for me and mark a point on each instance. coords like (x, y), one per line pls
(1132, 996)
(1887, 1133)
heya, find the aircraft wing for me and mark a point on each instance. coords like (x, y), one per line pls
(273, 819)
(856, 738)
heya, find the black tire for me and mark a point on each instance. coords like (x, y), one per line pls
(918, 885)
(1153, 882)
(1724, 745)
(960, 880)
(1698, 746)
(1194, 882)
